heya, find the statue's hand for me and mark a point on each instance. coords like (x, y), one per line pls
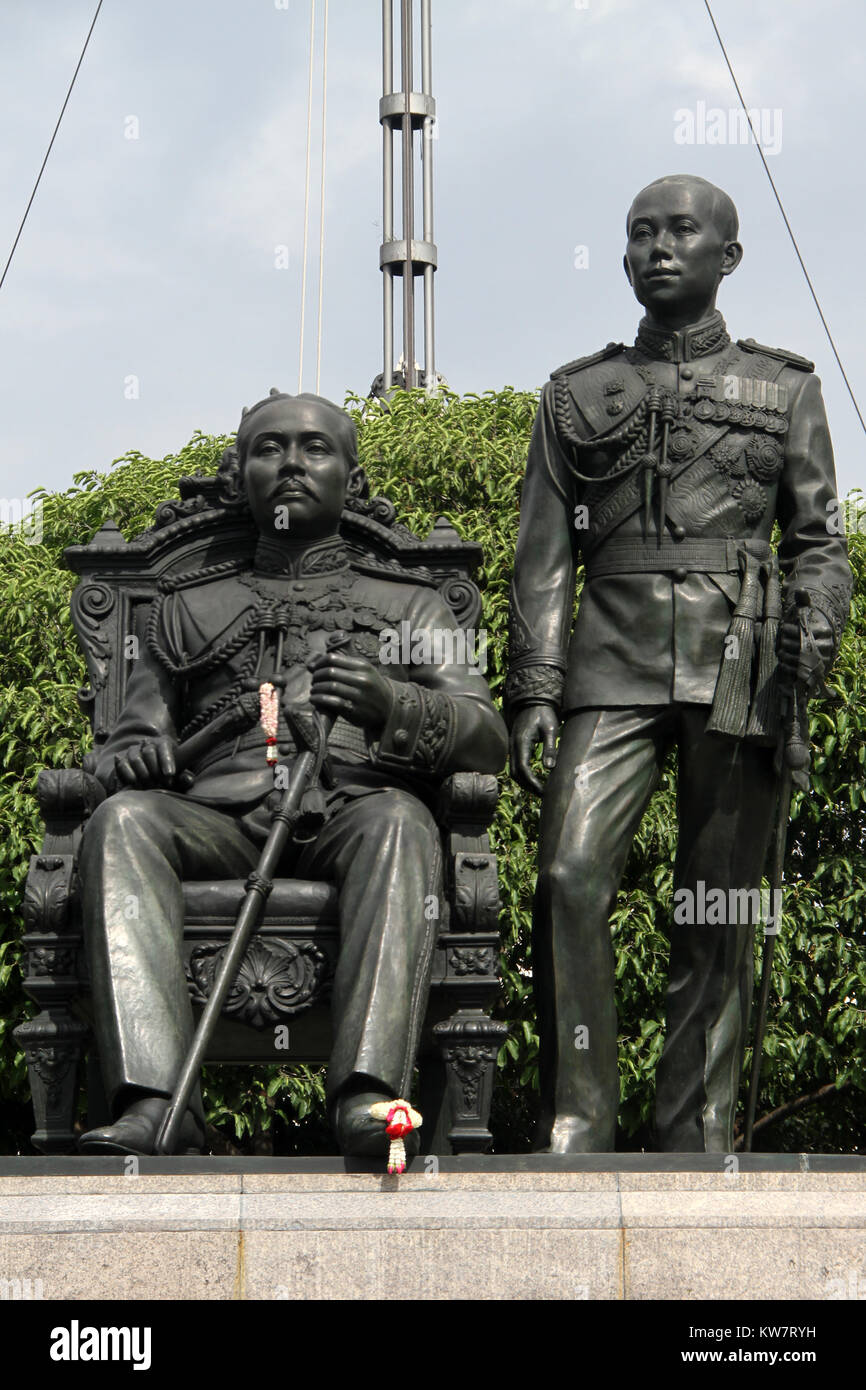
(532, 725)
(352, 687)
(147, 764)
(798, 659)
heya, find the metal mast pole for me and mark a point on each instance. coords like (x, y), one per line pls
(407, 112)
(387, 192)
(407, 143)
(427, 165)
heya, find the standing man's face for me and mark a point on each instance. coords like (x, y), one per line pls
(296, 472)
(677, 252)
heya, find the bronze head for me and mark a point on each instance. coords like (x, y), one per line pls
(682, 241)
(294, 463)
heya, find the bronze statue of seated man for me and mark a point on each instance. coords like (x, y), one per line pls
(212, 635)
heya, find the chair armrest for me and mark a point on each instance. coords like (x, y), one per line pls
(67, 792)
(466, 807)
(467, 802)
(67, 796)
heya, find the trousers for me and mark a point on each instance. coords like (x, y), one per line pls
(608, 765)
(382, 849)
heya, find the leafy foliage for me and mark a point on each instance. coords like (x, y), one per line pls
(463, 457)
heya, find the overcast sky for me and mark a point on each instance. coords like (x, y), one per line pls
(154, 257)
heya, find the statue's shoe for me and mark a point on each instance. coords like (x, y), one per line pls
(570, 1135)
(360, 1136)
(136, 1130)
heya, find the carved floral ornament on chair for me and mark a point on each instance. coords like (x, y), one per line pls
(400, 1119)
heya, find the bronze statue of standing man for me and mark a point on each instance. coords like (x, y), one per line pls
(662, 468)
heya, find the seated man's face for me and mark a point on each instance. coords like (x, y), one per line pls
(296, 472)
(677, 250)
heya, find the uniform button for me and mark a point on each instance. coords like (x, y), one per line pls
(679, 533)
(680, 573)
(686, 373)
(401, 738)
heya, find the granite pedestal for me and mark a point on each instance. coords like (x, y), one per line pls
(534, 1227)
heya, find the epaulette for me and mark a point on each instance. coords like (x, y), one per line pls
(170, 583)
(375, 567)
(791, 359)
(580, 362)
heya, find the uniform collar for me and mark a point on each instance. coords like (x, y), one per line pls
(684, 344)
(328, 556)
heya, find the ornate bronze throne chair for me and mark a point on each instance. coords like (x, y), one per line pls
(284, 979)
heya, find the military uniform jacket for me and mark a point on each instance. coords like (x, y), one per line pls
(213, 634)
(745, 443)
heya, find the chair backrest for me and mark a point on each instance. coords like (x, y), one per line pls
(118, 578)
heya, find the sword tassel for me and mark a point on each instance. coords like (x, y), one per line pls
(664, 467)
(654, 401)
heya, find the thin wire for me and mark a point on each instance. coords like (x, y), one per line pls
(307, 194)
(322, 196)
(785, 218)
(50, 144)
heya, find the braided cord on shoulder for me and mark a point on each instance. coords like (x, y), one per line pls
(215, 655)
(633, 434)
(169, 582)
(562, 412)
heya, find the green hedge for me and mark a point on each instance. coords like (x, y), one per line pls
(463, 457)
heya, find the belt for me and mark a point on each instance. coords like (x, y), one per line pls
(746, 697)
(621, 556)
(344, 737)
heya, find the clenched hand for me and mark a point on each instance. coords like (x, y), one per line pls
(802, 659)
(532, 725)
(147, 764)
(352, 687)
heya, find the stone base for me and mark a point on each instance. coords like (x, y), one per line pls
(540, 1227)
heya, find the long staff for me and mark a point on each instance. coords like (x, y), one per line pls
(259, 885)
(795, 763)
